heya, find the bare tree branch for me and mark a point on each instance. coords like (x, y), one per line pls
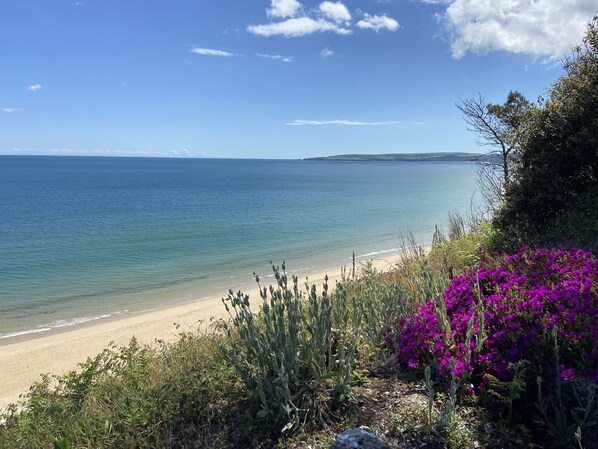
(500, 127)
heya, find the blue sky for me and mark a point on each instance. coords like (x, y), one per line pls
(268, 78)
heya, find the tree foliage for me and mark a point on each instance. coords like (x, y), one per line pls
(553, 198)
(500, 127)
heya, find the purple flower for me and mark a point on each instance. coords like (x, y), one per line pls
(566, 373)
(524, 296)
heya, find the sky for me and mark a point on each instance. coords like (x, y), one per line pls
(268, 78)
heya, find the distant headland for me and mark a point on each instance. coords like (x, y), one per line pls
(415, 157)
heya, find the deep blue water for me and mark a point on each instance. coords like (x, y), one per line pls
(88, 237)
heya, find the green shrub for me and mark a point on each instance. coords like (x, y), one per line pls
(453, 256)
(379, 301)
(134, 396)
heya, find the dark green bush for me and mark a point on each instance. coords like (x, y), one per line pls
(553, 197)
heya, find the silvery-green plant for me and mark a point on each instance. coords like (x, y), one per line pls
(448, 416)
(431, 286)
(378, 304)
(555, 413)
(297, 354)
(429, 283)
(431, 395)
(578, 437)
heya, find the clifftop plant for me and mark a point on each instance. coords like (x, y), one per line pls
(296, 356)
(500, 127)
(507, 311)
(552, 199)
(515, 319)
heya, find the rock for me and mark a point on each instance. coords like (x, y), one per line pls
(358, 439)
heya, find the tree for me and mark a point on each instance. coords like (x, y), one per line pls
(501, 127)
(553, 197)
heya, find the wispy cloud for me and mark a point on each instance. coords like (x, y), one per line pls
(335, 11)
(103, 152)
(378, 23)
(344, 123)
(9, 110)
(211, 52)
(300, 26)
(78, 152)
(283, 8)
(34, 87)
(327, 52)
(277, 57)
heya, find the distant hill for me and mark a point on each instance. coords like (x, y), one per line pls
(416, 157)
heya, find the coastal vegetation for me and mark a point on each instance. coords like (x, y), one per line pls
(553, 196)
(488, 340)
(499, 127)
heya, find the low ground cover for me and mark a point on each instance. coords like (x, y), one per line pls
(516, 328)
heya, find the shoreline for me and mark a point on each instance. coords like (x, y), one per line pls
(168, 299)
(153, 299)
(23, 358)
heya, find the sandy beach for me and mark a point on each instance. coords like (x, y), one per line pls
(59, 351)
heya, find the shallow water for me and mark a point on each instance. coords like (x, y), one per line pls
(85, 238)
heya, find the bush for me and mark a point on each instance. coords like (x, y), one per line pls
(454, 255)
(557, 175)
(507, 328)
(381, 299)
(503, 312)
(295, 357)
(297, 354)
(134, 396)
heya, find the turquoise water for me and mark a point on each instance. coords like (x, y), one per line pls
(85, 238)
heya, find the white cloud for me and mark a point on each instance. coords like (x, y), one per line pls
(327, 52)
(378, 23)
(283, 8)
(343, 123)
(34, 87)
(329, 16)
(335, 11)
(300, 26)
(211, 52)
(277, 57)
(9, 110)
(536, 27)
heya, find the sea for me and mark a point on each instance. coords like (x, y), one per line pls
(89, 238)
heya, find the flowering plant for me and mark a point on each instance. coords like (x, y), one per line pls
(503, 312)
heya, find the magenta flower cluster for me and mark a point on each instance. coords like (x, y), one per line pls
(524, 296)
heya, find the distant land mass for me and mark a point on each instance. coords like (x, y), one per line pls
(415, 157)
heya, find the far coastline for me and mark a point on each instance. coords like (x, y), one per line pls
(404, 157)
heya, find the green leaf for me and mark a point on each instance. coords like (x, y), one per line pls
(263, 413)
